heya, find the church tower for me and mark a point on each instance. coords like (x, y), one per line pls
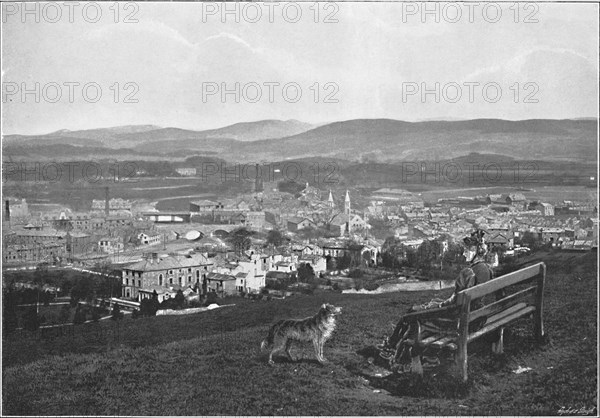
(330, 201)
(347, 210)
(347, 204)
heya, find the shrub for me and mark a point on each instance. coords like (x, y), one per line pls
(116, 313)
(356, 273)
(169, 304)
(148, 307)
(9, 318)
(65, 314)
(135, 314)
(79, 317)
(211, 297)
(179, 299)
(371, 286)
(95, 314)
(31, 321)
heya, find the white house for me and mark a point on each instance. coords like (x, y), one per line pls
(111, 245)
(146, 239)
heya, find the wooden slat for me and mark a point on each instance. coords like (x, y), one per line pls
(430, 340)
(502, 282)
(450, 311)
(490, 327)
(506, 312)
(441, 328)
(446, 341)
(501, 304)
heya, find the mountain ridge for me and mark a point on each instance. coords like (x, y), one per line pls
(355, 139)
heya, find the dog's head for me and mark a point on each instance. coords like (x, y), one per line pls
(329, 309)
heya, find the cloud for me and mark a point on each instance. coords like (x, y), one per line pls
(225, 35)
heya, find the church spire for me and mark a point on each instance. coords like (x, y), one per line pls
(330, 201)
(347, 210)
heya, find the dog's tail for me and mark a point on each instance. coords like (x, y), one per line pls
(269, 340)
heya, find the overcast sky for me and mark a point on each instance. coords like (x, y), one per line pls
(374, 56)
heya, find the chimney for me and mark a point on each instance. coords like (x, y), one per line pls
(106, 202)
(7, 211)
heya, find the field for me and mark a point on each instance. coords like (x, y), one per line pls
(209, 363)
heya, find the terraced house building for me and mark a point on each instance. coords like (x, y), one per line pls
(164, 274)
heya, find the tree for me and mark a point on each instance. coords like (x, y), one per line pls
(80, 316)
(179, 299)
(411, 257)
(306, 274)
(331, 264)
(41, 272)
(95, 314)
(116, 313)
(31, 321)
(240, 240)
(428, 254)
(393, 253)
(83, 290)
(344, 261)
(211, 297)
(354, 250)
(531, 240)
(65, 314)
(9, 313)
(148, 307)
(274, 238)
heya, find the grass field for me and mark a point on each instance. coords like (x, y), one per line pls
(209, 363)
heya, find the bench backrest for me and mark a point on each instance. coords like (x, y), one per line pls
(528, 299)
(502, 282)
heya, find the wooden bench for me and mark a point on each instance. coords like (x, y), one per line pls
(517, 294)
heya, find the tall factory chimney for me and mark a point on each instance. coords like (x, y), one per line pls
(258, 181)
(7, 211)
(106, 202)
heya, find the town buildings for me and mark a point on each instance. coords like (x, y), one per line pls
(157, 271)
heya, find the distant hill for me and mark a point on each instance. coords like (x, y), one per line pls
(134, 135)
(393, 140)
(264, 129)
(379, 140)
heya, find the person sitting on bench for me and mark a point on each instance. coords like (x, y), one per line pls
(478, 272)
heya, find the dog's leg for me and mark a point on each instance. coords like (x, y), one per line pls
(319, 350)
(278, 345)
(288, 349)
(317, 346)
(271, 362)
(322, 347)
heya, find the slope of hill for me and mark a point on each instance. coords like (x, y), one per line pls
(264, 129)
(361, 139)
(142, 135)
(209, 363)
(385, 139)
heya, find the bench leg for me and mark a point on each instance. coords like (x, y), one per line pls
(461, 361)
(498, 346)
(415, 365)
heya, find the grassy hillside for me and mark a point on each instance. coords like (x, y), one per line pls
(209, 363)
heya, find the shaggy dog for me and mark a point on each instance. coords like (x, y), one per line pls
(317, 329)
